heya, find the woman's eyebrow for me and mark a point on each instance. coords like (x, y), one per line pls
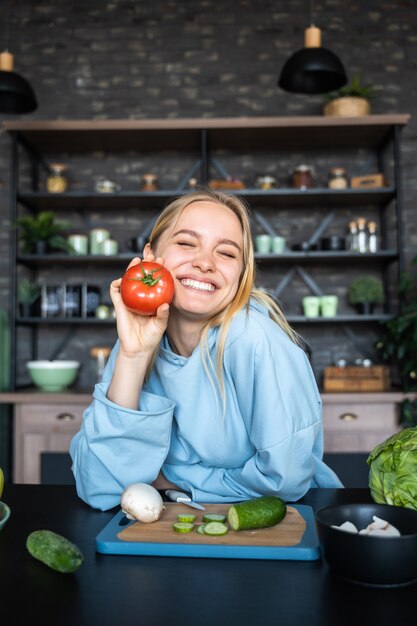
(193, 233)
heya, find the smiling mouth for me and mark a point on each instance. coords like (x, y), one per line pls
(195, 284)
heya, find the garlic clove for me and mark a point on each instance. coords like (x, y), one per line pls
(347, 527)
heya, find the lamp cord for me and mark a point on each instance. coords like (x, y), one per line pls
(311, 12)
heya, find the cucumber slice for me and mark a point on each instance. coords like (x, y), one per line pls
(200, 529)
(186, 517)
(214, 517)
(215, 528)
(183, 527)
(257, 513)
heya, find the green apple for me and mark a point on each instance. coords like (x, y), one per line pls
(1, 481)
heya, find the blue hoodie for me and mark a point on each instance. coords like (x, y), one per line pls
(268, 440)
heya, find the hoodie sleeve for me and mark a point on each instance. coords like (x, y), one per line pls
(116, 446)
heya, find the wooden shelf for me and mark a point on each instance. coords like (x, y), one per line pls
(234, 133)
(277, 198)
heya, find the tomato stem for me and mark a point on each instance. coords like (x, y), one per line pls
(148, 277)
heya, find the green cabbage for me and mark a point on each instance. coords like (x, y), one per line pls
(393, 469)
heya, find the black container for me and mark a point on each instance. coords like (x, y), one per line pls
(333, 243)
(367, 559)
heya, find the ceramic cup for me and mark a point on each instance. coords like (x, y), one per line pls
(328, 306)
(79, 244)
(278, 244)
(97, 236)
(263, 243)
(109, 247)
(311, 306)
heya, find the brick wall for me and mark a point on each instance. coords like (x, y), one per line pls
(205, 58)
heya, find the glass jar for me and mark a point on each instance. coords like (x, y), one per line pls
(56, 181)
(303, 177)
(362, 235)
(373, 243)
(337, 178)
(149, 182)
(99, 356)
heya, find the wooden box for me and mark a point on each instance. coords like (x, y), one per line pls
(352, 378)
(371, 181)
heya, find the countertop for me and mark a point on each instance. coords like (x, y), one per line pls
(153, 591)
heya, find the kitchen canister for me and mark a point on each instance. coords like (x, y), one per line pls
(109, 247)
(79, 243)
(97, 236)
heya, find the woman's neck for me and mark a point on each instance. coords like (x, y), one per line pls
(183, 336)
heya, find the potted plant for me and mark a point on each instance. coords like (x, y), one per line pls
(398, 345)
(364, 292)
(27, 294)
(350, 101)
(41, 233)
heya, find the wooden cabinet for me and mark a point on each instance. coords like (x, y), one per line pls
(358, 422)
(47, 423)
(42, 423)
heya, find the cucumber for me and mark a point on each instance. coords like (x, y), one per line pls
(214, 517)
(183, 527)
(257, 513)
(215, 528)
(200, 529)
(186, 517)
(54, 550)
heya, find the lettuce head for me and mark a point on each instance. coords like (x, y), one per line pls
(393, 469)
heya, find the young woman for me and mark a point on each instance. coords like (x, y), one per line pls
(214, 394)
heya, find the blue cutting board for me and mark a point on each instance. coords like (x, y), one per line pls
(295, 538)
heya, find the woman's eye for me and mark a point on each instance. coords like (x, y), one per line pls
(229, 255)
(185, 243)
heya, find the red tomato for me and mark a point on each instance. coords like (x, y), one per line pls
(145, 286)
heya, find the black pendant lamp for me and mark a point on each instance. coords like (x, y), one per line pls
(313, 69)
(16, 94)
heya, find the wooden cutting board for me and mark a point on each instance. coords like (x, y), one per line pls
(294, 538)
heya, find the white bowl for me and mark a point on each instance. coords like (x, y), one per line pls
(53, 375)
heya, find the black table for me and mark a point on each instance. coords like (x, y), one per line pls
(113, 590)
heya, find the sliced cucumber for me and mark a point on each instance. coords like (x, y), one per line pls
(200, 529)
(183, 527)
(215, 528)
(186, 517)
(257, 513)
(214, 517)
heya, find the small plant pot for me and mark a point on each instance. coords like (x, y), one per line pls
(41, 247)
(348, 106)
(365, 308)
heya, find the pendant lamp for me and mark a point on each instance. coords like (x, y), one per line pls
(16, 94)
(313, 69)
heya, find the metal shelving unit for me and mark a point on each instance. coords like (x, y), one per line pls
(208, 141)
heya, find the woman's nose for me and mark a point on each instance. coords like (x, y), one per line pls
(204, 260)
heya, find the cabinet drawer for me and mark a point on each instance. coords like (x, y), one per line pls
(41, 428)
(358, 427)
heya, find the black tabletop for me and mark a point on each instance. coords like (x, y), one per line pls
(113, 590)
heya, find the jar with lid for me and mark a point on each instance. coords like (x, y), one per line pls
(373, 243)
(303, 177)
(337, 178)
(57, 181)
(149, 182)
(99, 356)
(362, 235)
(353, 236)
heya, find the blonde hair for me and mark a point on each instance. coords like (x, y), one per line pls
(246, 289)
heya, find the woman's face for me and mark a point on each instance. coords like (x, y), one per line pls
(203, 251)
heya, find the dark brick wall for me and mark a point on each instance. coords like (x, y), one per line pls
(206, 58)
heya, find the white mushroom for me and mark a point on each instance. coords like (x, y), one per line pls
(142, 502)
(348, 527)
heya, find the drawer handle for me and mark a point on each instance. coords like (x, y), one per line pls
(348, 417)
(65, 417)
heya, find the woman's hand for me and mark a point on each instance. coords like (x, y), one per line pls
(138, 333)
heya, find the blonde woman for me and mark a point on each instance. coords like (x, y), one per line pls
(214, 394)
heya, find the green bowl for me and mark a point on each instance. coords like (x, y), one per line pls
(53, 375)
(4, 513)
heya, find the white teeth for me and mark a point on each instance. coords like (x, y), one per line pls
(195, 284)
